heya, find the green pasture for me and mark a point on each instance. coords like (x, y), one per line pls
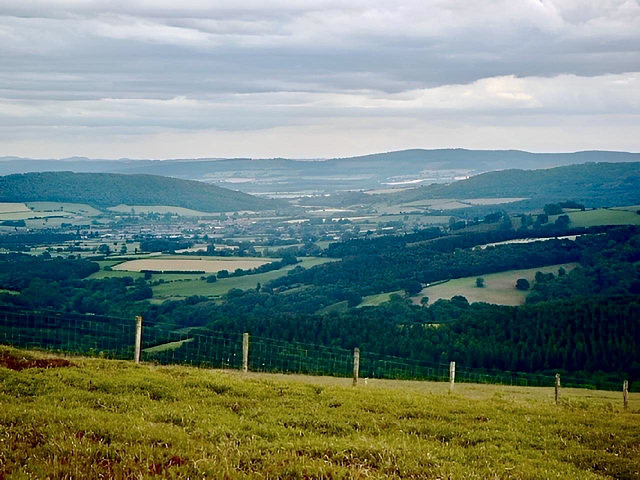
(499, 287)
(99, 418)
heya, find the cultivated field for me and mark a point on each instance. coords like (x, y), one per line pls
(527, 240)
(160, 209)
(590, 218)
(93, 418)
(77, 208)
(375, 300)
(196, 286)
(212, 265)
(499, 287)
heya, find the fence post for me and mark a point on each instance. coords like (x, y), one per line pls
(138, 350)
(452, 375)
(356, 365)
(245, 353)
(625, 394)
(557, 386)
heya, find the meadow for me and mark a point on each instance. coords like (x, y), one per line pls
(187, 285)
(159, 209)
(602, 216)
(96, 418)
(203, 264)
(499, 287)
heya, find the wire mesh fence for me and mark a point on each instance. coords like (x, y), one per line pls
(111, 337)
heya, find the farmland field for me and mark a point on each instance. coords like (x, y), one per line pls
(159, 209)
(197, 286)
(112, 419)
(375, 300)
(499, 287)
(13, 208)
(188, 264)
(527, 240)
(77, 208)
(590, 218)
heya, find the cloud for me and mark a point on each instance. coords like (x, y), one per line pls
(142, 68)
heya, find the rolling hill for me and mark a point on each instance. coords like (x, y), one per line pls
(596, 184)
(354, 173)
(110, 189)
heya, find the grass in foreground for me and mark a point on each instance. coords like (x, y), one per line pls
(113, 419)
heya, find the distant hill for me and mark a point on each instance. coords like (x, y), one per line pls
(354, 173)
(109, 189)
(595, 184)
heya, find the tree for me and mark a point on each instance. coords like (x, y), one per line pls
(506, 224)
(212, 279)
(104, 249)
(542, 219)
(424, 301)
(552, 209)
(522, 284)
(563, 221)
(480, 282)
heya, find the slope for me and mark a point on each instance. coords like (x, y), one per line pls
(108, 189)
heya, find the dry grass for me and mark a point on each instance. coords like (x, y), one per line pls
(113, 419)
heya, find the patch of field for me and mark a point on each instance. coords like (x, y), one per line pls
(57, 207)
(160, 209)
(180, 289)
(199, 264)
(337, 307)
(13, 208)
(97, 418)
(455, 203)
(421, 219)
(167, 346)
(493, 201)
(500, 288)
(628, 208)
(602, 216)
(527, 240)
(375, 300)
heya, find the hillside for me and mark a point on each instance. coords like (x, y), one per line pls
(595, 184)
(352, 173)
(109, 189)
(77, 418)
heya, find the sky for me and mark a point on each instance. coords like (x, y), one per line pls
(316, 78)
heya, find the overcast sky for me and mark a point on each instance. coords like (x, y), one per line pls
(316, 78)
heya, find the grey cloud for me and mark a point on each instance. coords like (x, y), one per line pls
(246, 65)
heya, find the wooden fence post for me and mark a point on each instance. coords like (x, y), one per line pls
(245, 353)
(138, 351)
(557, 386)
(452, 375)
(356, 365)
(625, 394)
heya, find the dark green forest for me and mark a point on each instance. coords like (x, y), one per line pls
(109, 189)
(583, 322)
(593, 184)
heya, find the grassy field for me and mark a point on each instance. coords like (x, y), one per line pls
(375, 300)
(209, 265)
(499, 287)
(197, 286)
(159, 209)
(97, 418)
(590, 218)
(78, 208)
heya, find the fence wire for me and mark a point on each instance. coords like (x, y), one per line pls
(112, 337)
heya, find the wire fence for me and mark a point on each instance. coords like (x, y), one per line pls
(111, 337)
